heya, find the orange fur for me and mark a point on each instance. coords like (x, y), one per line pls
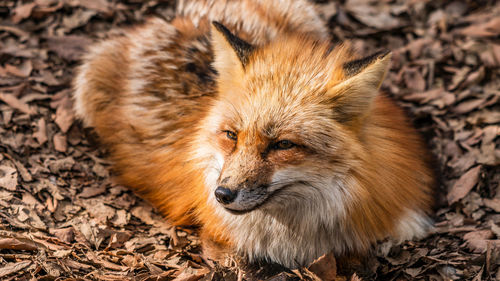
(162, 98)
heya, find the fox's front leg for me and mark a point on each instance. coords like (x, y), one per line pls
(216, 248)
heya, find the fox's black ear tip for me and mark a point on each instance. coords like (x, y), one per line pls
(380, 54)
(355, 66)
(241, 47)
(385, 53)
(219, 26)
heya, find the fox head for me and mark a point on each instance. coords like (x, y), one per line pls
(287, 121)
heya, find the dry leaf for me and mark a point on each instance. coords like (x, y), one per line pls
(64, 114)
(22, 11)
(463, 185)
(487, 29)
(17, 104)
(145, 214)
(60, 143)
(92, 191)
(65, 234)
(25, 175)
(98, 5)
(325, 267)
(13, 268)
(355, 277)
(77, 19)
(118, 239)
(468, 106)
(8, 177)
(414, 79)
(444, 72)
(477, 241)
(18, 244)
(41, 134)
(493, 204)
(121, 218)
(99, 211)
(371, 14)
(69, 47)
(23, 70)
(424, 97)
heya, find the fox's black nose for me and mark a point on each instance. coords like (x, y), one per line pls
(225, 195)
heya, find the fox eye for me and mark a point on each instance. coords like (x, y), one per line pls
(284, 144)
(231, 135)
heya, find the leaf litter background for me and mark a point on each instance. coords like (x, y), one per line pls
(63, 218)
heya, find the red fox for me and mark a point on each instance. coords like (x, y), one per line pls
(241, 117)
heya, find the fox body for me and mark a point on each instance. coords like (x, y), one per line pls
(278, 145)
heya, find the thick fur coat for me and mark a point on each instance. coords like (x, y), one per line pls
(254, 127)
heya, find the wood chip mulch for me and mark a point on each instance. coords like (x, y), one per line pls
(63, 218)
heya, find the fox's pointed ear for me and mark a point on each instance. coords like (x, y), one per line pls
(353, 97)
(354, 67)
(231, 53)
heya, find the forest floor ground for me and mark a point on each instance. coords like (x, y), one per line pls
(63, 218)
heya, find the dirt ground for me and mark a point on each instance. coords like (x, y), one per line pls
(63, 218)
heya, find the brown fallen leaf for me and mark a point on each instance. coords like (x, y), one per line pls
(463, 185)
(46, 7)
(79, 18)
(414, 79)
(355, 277)
(496, 52)
(64, 114)
(98, 5)
(145, 213)
(99, 211)
(487, 29)
(495, 229)
(424, 97)
(477, 241)
(76, 265)
(70, 47)
(467, 106)
(23, 70)
(15, 103)
(462, 163)
(191, 274)
(31, 201)
(118, 239)
(133, 261)
(475, 77)
(6, 195)
(121, 218)
(92, 191)
(104, 262)
(58, 165)
(100, 170)
(139, 242)
(60, 143)
(8, 177)
(325, 267)
(41, 134)
(371, 14)
(18, 244)
(62, 253)
(484, 117)
(29, 216)
(25, 175)
(22, 11)
(23, 35)
(493, 204)
(64, 234)
(13, 268)
(459, 76)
